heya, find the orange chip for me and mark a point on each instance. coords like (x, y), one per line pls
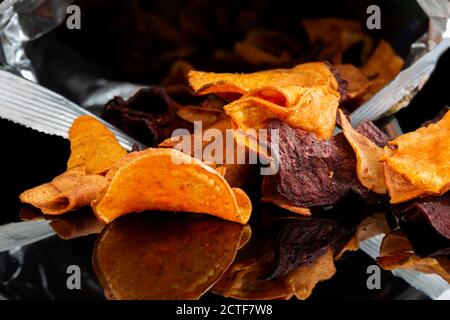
(191, 114)
(336, 36)
(400, 189)
(369, 168)
(382, 67)
(396, 252)
(161, 256)
(422, 157)
(70, 190)
(169, 180)
(311, 109)
(93, 146)
(357, 81)
(304, 75)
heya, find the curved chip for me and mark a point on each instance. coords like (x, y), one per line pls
(93, 146)
(306, 75)
(149, 257)
(422, 157)
(169, 180)
(68, 191)
(381, 68)
(311, 109)
(207, 116)
(396, 252)
(368, 158)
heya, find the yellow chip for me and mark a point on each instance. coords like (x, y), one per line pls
(369, 167)
(311, 109)
(422, 157)
(93, 146)
(382, 67)
(205, 115)
(71, 190)
(357, 81)
(169, 180)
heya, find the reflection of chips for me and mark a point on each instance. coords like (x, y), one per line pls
(151, 180)
(382, 67)
(243, 279)
(368, 166)
(311, 109)
(357, 82)
(68, 191)
(396, 252)
(93, 146)
(418, 162)
(165, 257)
(204, 115)
(76, 224)
(305, 75)
(371, 226)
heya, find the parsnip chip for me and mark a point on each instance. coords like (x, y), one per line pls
(381, 68)
(70, 190)
(357, 81)
(311, 109)
(93, 146)
(304, 75)
(396, 252)
(422, 157)
(161, 256)
(169, 180)
(368, 158)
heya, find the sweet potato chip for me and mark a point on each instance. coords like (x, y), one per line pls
(70, 190)
(357, 81)
(336, 36)
(93, 146)
(381, 68)
(169, 180)
(304, 75)
(161, 256)
(396, 252)
(311, 109)
(192, 113)
(422, 157)
(399, 188)
(368, 158)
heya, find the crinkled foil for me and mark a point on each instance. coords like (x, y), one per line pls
(23, 21)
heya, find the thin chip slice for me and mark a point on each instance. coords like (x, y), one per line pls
(93, 146)
(169, 180)
(396, 252)
(205, 115)
(311, 109)
(305, 75)
(357, 81)
(381, 68)
(399, 188)
(369, 167)
(422, 157)
(161, 256)
(68, 191)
